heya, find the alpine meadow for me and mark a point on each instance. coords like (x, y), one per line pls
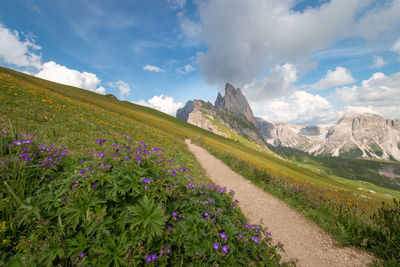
(200, 133)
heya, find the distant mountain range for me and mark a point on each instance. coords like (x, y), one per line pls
(355, 135)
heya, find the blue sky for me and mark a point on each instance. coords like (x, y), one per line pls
(304, 62)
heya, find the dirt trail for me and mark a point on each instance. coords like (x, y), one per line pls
(301, 238)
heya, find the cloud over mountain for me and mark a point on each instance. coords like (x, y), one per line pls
(380, 93)
(250, 37)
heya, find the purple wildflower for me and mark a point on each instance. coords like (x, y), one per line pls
(83, 171)
(82, 255)
(216, 246)
(223, 235)
(206, 214)
(174, 213)
(256, 239)
(101, 154)
(148, 259)
(225, 248)
(146, 180)
(90, 169)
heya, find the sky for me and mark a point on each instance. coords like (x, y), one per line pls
(302, 62)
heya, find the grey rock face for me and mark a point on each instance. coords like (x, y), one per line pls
(235, 103)
(183, 113)
(231, 110)
(354, 135)
(267, 129)
(363, 135)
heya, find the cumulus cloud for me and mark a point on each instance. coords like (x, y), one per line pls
(174, 4)
(250, 37)
(300, 108)
(396, 47)
(185, 69)
(162, 103)
(276, 83)
(380, 93)
(379, 62)
(153, 68)
(57, 73)
(18, 52)
(338, 77)
(123, 88)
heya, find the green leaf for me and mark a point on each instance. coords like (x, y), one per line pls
(147, 219)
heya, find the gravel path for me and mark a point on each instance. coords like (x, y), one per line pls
(302, 239)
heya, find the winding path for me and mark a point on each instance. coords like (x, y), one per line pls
(302, 239)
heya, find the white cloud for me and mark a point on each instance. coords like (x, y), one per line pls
(380, 93)
(359, 109)
(162, 103)
(379, 62)
(174, 4)
(57, 73)
(396, 47)
(123, 88)
(153, 68)
(185, 69)
(101, 90)
(18, 52)
(338, 77)
(250, 37)
(300, 108)
(276, 83)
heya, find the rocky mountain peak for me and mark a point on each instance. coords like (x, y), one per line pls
(235, 102)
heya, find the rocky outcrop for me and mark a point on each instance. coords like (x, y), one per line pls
(235, 103)
(201, 114)
(183, 113)
(112, 96)
(231, 110)
(354, 135)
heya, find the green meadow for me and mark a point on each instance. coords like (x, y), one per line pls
(324, 189)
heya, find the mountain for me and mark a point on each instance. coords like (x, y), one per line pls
(355, 135)
(230, 113)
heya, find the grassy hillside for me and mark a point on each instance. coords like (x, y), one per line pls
(77, 118)
(121, 114)
(91, 181)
